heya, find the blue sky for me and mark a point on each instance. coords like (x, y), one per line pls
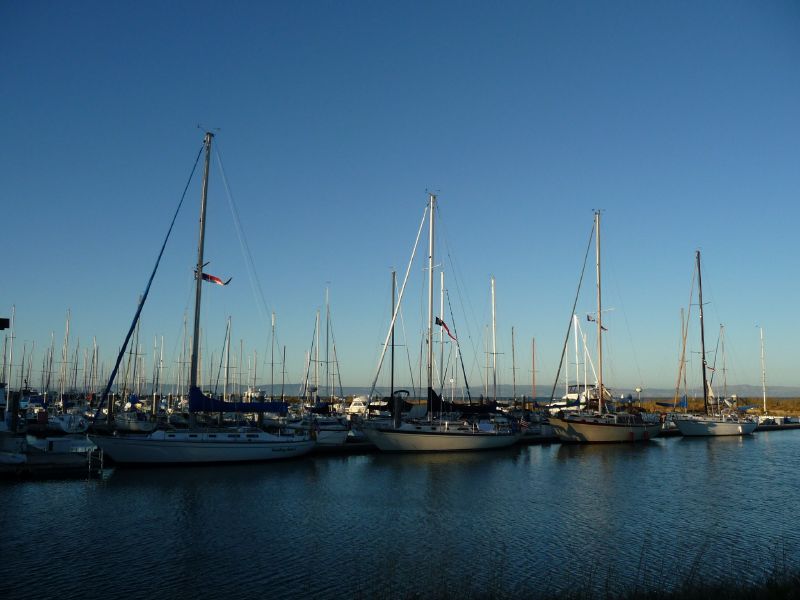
(678, 119)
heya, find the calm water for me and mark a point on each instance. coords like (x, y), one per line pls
(525, 522)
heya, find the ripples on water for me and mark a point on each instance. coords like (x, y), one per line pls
(525, 521)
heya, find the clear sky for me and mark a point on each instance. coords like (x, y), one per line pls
(680, 120)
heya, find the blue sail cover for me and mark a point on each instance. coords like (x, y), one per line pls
(683, 403)
(199, 402)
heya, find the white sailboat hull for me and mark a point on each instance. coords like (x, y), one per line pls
(67, 423)
(183, 447)
(590, 431)
(331, 437)
(709, 426)
(436, 439)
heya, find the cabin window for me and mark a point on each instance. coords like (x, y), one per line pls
(212, 435)
(192, 435)
(252, 435)
(170, 435)
(233, 435)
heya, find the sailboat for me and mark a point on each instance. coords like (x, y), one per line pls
(717, 422)
(201, 444)
(601, 425)
(436, 434)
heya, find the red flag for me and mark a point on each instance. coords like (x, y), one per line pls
(215, 279)
(447, 329)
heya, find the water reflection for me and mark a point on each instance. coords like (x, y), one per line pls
(400, 525)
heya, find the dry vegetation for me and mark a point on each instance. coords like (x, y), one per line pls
(775, 406)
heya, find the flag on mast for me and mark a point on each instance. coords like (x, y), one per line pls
(215, 279)
(446, 328)
(593, 320)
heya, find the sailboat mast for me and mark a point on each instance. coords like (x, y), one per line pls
(272, 362)
(441, 331)
(225, 392)
(599, 312)
(724, 369)
(702, 333)
(193, 373)
(513, 368)
(533, 369)
(391, 376)
(763, 371)
(494, 347)
(315, 395)
(576, 333)
(283, 371)
(10, 377)
(329, 390)
(432, 198)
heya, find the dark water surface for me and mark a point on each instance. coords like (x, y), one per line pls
(524, 522)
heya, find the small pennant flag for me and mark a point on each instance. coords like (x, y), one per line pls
(215, 279)
(446, 328)
(593, 320)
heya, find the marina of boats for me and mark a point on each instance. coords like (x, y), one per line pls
(119, 422)
(78, 456)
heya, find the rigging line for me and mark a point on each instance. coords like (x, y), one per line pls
(714, 365)
(627, 326)
(397, 307)
(304, 385)
(456, 279)
(408, 352)
(219, 369)
(255, 284)
(458, 346)
(457, 276)
(337, 372)
(147, 289)
(572, 312)
(684, 333)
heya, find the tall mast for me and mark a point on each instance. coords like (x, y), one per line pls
(64, 359)
(763, 371)
(441, 331)
(193, 372)
(255, 368)
(494, 347)
(486, 354)
(5, 348)
(283, 371)
(272, 362)
(724, 369)
(225, 392)
(240, 371)
(327, 344)
(8, 380)
(599, 312)
(533, 368)
(391, 376)
(432, 198)
(315, 395)
(702, 333)
(575, 327)
(513, 368)
(93, 381)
